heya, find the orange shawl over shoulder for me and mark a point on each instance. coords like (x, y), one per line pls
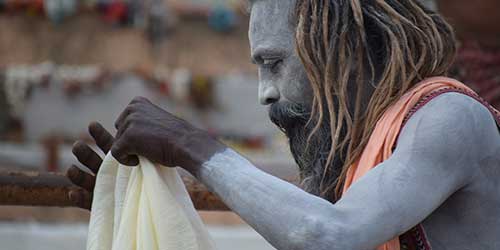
(385, 134)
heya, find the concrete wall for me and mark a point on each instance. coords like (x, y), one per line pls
(50, 111)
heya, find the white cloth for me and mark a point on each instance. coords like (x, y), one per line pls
(143, 208)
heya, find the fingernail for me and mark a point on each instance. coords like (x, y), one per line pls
(76, 146)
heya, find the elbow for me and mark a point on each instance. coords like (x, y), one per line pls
(314, 232)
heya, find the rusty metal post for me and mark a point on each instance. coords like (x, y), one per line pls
(52, 189)
(51, 146)
(35, 189)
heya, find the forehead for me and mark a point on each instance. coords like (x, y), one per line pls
(271, 23)
(272, 12)
(272, 5)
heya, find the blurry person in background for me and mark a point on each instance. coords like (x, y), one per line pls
(392, 155)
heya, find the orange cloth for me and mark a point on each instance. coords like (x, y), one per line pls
(385, 134)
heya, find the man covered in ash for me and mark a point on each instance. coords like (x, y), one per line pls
(392, 154)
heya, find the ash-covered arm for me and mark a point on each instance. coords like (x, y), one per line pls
(279, 211)
(434, 158)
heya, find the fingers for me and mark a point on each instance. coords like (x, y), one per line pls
(129, 109)
(122, 117)
(121, 147)
(102, 137)
(81, 198)
(81, 179)
(87, 156)
(122, 153)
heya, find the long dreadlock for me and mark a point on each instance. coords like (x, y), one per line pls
(361, 56)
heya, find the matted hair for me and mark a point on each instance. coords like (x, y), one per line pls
(361, 56)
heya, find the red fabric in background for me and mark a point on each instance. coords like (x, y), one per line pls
(116, 12)
(479, 68)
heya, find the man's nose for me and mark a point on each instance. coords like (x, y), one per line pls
(268, 94)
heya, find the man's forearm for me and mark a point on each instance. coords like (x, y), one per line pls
(282, 213)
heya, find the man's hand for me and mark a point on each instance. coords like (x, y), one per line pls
(147, 130)
(92, 161)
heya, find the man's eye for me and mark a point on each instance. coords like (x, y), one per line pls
(269, 62)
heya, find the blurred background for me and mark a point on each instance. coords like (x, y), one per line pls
(65, 63)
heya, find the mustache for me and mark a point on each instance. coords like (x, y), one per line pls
(288, 115)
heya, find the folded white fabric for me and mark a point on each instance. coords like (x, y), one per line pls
(143, 208)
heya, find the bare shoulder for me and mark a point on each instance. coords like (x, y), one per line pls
(453, 132)
(452, 114)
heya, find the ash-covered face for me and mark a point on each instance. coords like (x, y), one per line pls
(284, 86)
(282, 77)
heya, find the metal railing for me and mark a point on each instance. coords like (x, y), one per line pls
(52, 190)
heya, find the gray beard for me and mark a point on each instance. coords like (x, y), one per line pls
(311, 158)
